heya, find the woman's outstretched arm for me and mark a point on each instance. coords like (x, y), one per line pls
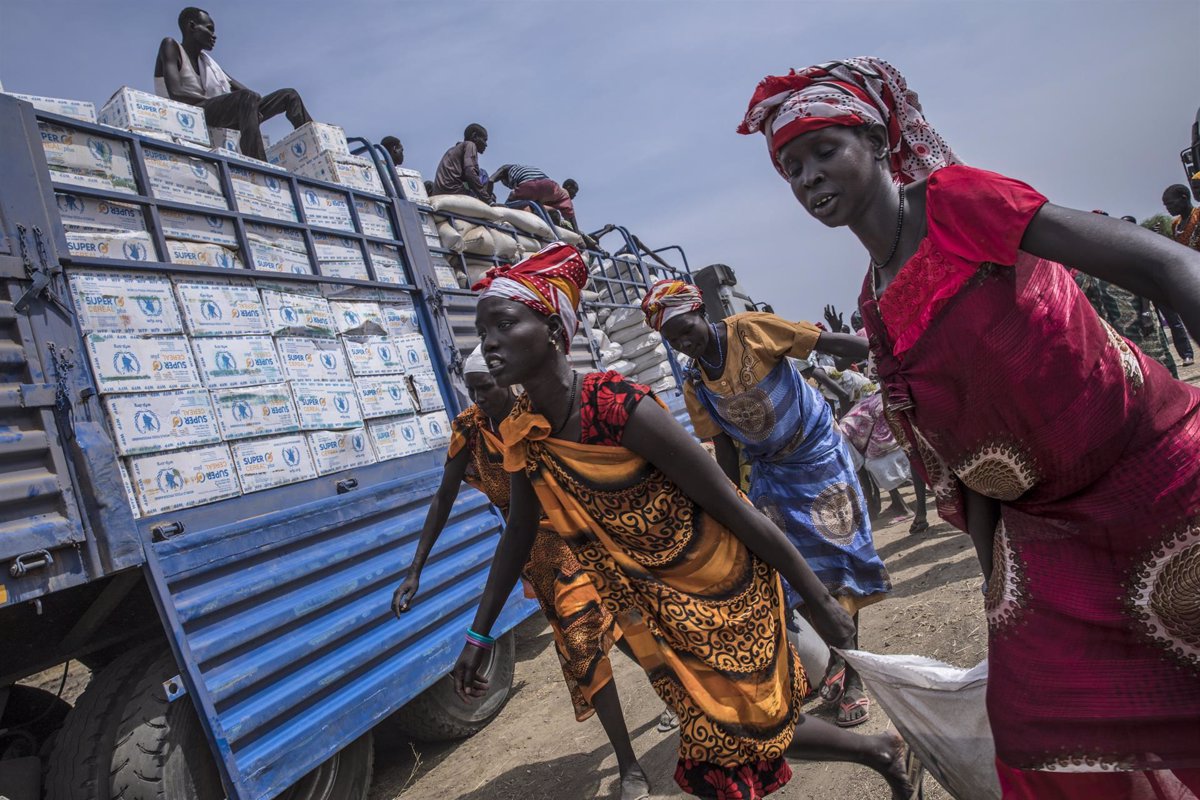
(435, 522)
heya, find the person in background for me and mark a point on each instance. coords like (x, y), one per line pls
(745, 384)
(583, 629)
(1185, 229)
(188, 74)
(885, 464)
(394, 149)
(667, 539)
(530, 183)
(458, 172)
(428, 188)
(571, 187)
(998, 375)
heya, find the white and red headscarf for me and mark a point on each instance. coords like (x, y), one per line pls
(668, 299)
(550, 282)
(857, 91)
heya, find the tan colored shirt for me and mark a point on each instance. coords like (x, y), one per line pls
(757, 343)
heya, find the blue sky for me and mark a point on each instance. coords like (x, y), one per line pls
(1091, 102)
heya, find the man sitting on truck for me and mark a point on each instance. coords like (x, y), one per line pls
(188, 74)
(530, 183)
(394, 149)
(458, 172)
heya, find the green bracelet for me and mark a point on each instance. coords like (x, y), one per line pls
(479, 637)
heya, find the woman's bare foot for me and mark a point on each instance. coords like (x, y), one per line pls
(634, 784)
(899, 767)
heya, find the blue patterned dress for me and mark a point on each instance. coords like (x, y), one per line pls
(801, 475)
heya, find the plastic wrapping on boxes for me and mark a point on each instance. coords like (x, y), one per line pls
(400, 316)
(255, 411)
(411, 186)
(187, 226)
(202, 254)
(141, 111)
(435, 428)
(183, 178)
(85, 159)
(274, 461)
(385, 260)
(326, 208)
(150, 423)
(334, 451)
(274, 249)
(339, 257)
(416, 354)
(313, 359)
(225, 140)
(212, 308)
(121, 302)
(374, 218)
(76, 109)
(353, 171)
(298, 314)
(183, 478)
(88, 213)
(357, 318)
(229, 361)
(326, 404)
(119, 245)
(373, 355)
(384, 396)
(395, 437)
(425, 390)
(123, 363)
(262, 194)
(306, 143)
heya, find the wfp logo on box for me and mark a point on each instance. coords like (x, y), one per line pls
(169, 480)
(150, 306)
(186, 120)
(242, 411)
(289, 315)
(357, 443)
(214, 222)
(223, 259)
(146, 422)
(271, 183)
(310, 197)
(199, 169)
(409, 434)
(385, 353)
(211, 310)
(351, 319)
(291, 456)
(134, 251)
(299, 148)
(69, 203)
(341, 404)
(126, 364)
(100, 149)
(328, 361)
(394, 391)
(224, 361)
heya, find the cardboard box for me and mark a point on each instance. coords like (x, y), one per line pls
(333, 248)
(384, 396)
(124, 363)
(313, 359)
(334, 451)
(212, 308)
(428, 226)
(400, 316)
(150, 423)
(306, 143)
(76, 109)
(255, 411)
(412, 186)
(387, 264)
(262, 194)
(229, 361)
(435, 428)
(395, 437)
(129, 493)
(357, 318)
(183, 478)
(275, 461)
(88, 213)
(416, 354)
(291, 314)
(373, 355)
(120, 245)
(353, 171)
(374, 218)
(326, 208)
(129, 108)
(446, 275)
(278, 236)
(85, 159)
(269, 258)
(183, 178)
(189, 227)
(228, 140)
(353, 270)
(123, 302)
(202, 254)
(426, 391)
(326, 404)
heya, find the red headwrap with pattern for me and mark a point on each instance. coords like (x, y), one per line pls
(670, 298)
(857, 91)
(550, 282)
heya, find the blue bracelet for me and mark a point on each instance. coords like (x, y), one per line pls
(479, 637)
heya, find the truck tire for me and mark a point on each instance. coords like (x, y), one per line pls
(439, 715)
(79, 764)
(161, 753)
(34, 711)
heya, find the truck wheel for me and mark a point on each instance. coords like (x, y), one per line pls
(34, 711)
(438, 714)
(161, 753)
(79, 764)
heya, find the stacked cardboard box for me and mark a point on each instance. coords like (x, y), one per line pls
(319, 151)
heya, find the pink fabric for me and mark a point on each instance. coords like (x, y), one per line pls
(1181, 784)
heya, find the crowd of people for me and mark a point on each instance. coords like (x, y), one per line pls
(1007, 356)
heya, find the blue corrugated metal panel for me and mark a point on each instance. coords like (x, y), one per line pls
(284, 621)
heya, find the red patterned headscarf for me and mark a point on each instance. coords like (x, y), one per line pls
(857, 91)
(550, 282)
(670, 298)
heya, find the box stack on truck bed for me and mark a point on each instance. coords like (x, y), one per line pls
(227, 393)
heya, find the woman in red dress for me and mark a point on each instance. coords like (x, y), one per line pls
(1071, 459)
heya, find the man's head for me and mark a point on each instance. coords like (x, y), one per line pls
(1130, 218)
(197, 26)
(476, 134)
(1177, 200)
(570, 187)
(394, 148)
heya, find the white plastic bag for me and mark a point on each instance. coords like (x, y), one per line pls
(941, 712)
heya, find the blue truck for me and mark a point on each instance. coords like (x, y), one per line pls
(240, 642)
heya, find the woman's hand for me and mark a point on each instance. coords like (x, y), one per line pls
(836, 321)
(834, 625)
(469, 681)
(405, 592)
